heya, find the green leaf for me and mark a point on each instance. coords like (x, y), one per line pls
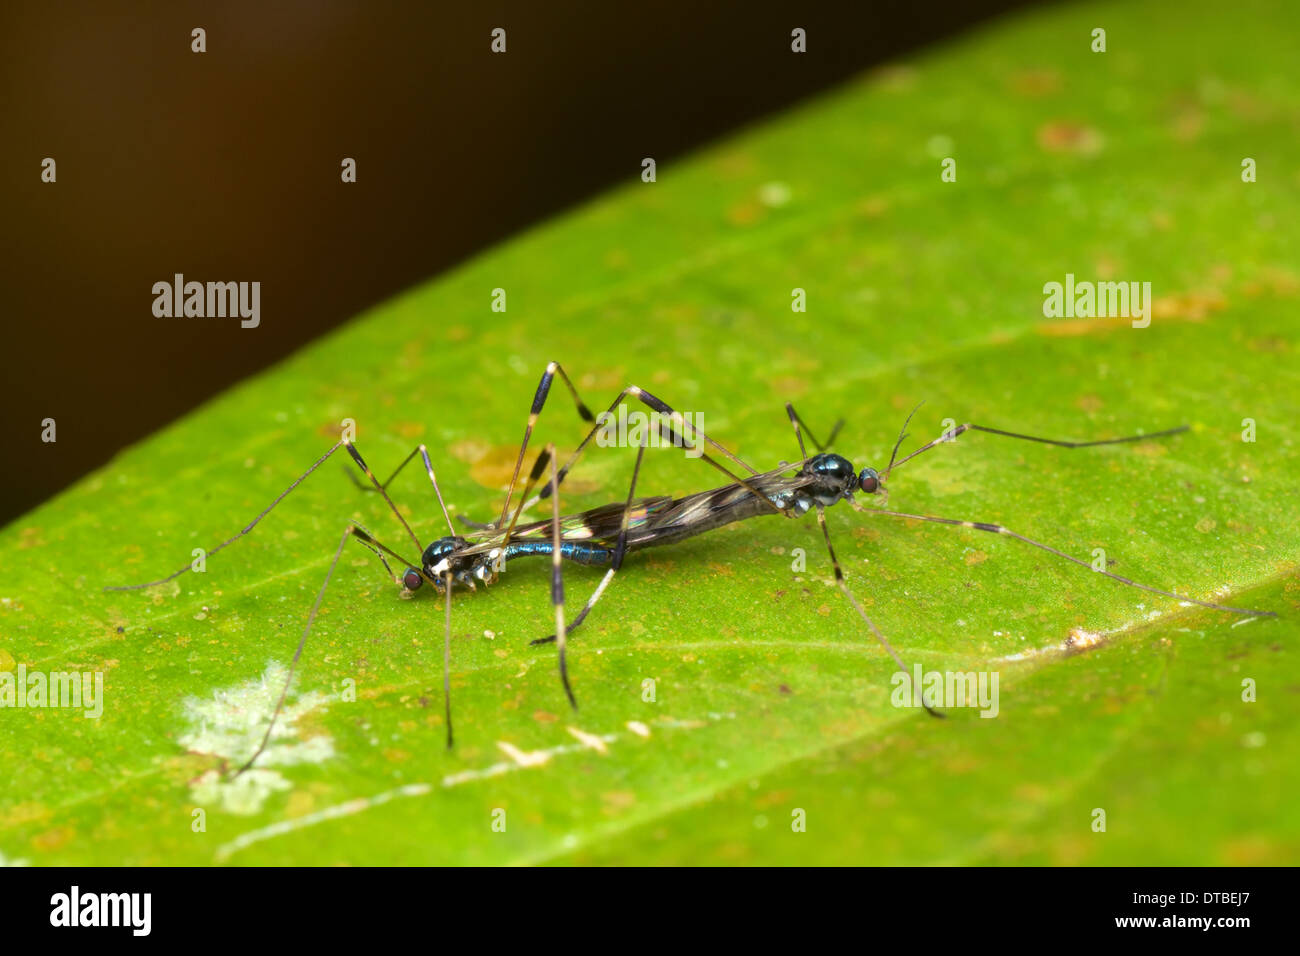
(770, 695)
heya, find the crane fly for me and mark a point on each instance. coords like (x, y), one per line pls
(605, 535)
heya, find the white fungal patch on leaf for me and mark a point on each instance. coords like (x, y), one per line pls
(243, 795)
(231, 723)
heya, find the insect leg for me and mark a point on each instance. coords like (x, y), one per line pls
(362, 486)
(998, 529)
(557, 579)
(539, 401)
(801, 429)
(365, 538)
(247, 528)
(423, 452)
(446, 655)
(843, 586)
(620, 550)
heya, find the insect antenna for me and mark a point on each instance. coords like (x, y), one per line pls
(951, 435)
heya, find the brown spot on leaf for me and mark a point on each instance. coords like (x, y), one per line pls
(1192, 306)
(1072, 327)
(1035, 83)
(745, 213)
(1069, 137)
(873, 207)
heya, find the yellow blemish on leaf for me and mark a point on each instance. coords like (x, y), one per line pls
(745, 213)
(52, 839)
(893, 77)
(1192, 306)
(588, 740)
(1188, 124)
(1035, 83)
(522, 757)
(1072, 327)
(1067, 137)
(873, 207)
(299, 804)
(616, 800)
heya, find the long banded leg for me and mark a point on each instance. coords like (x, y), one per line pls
(998, 529)
(843, 586)
(676, 429)
(422, 451)
(433, 479)
(362, 486)
(356, 456)
(247, 528)
(557, 579)
(696, 436)
(361, 463)
(968, 427)
(616, 561)
(539, 401)
(365, 538)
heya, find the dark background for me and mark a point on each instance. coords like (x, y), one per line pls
(225, 166)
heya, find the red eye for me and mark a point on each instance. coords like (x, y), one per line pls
(411, 579)
(869, 481)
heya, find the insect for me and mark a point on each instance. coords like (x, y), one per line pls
(603, 536)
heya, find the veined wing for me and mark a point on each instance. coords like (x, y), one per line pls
(696, 513)
(661, 518)
(596, 524)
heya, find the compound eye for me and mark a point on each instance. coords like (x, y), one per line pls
(411, 580)
(870, 481)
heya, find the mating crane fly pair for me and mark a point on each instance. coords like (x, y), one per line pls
(602, 537)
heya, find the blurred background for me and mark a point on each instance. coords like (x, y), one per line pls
(225, 166)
